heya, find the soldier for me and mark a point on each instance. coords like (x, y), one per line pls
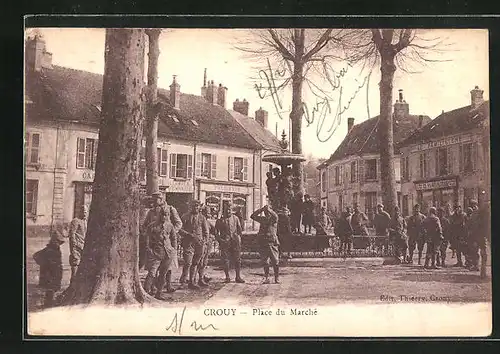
(194, 234)
(343, 229)
(307, 214)
(476, 237)
(358, 222)
(268, 240)
(211, 235)
(433, 237)
(77, 232)
(445, 225)
(458, 234)
(296, 212)
(415, 233)
(468, 241)
(161, 248)
(398, 229)
(228, 232)
(381, 221)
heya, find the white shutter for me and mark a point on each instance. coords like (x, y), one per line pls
(245, 169)
(96, 145)
(198, 165)
(189, 166)
(214, 166)
(164, 163)
(230, 168)
(173, 165)
(80, 153)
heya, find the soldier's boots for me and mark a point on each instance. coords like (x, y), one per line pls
(276, 274)
(193, 286)
(239, 279)
(202, 283)
(266, 281)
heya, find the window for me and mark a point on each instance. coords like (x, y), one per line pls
(370, 204)
(371, 169)
(86, 151)
(323, 181)
(442, 161)
(423, 165)
(162, 160)
(206, 165)
(337, 175)
(405, 169)
(354, 172)
(238, 168)
(405, 205)
(468, 157)
(181, 166)
(341, 203)
(354, 198)
(31, 196)
(32, 148)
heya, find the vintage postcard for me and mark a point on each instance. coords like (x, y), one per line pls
(257, 182)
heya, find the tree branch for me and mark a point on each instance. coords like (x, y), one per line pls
(404, 40)
(377, 38)
(320, 44)
(280, 47)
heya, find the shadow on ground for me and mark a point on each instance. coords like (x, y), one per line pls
(438, 276)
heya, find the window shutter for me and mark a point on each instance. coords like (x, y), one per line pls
(35, 146)
(230, 168)
(361, 171)
(35, 197)
(214, 166)
(198, 165)
(449, 159)
(80, 153)
(173, 165)
(27, 145)
(378, 169)
(96, 145)
(436, 160)
(245, 169)
(474, 156)
(189, 166)
(461, 158)
(164, 163)
(158, 161)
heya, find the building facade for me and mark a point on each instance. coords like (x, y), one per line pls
(447, 162)
(203, 151)
(352, 173)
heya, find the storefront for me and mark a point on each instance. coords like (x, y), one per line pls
(83, 197)
(437, 193)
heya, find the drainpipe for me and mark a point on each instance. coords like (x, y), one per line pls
(54, 175)
(195, 192)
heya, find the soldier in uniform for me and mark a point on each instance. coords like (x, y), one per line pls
(458, 234)
(211, 236)
(194, 234)
(381, 221)
(228, 232)
(398, 229)
(343, 230)
(77, 232)
(161, 248)
(358, 222)
(308, 214)
(268, 240)
(445, 225)
(415, 233)
(477, 237)
(433, 237)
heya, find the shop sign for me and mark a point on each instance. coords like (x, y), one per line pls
(442, 142)
(446, 183)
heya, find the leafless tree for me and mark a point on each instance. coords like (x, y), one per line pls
(291, 54)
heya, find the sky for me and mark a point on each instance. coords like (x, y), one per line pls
(443, 85)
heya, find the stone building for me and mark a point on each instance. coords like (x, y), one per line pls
(352, 173)
(447, 161)
(204, 152)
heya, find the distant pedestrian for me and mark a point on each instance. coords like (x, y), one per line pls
(228, 232)
(77, 233)
(194, 234)
(433, 237)
(324, 223)
(358, 222)
(209, 241)
(343, 230)
(296, 209)
(445, 225)
(477, 237)
(458, 233)
(416, 239)
(50, 261)
(398, 230)
(308, 214)
(268, 240)
(381, 222)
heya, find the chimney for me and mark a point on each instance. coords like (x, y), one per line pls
(420, 121)
(401, 108)
(212, 92)
(261, 117)
(175, 94)
(241, 107)
(221, 96)
(350, 124)
(36, 56)
(204, 87)
(476, 97)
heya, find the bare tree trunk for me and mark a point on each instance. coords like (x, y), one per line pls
(108, 273)
(385, 133)
(297, 108)
(151, 113)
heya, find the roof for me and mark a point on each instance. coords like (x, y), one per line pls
(62, 93)
(456, 121)
(362, 139)
(263, 136)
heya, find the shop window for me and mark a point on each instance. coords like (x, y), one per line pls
(181, 166)
(31, 196)
(32, 148)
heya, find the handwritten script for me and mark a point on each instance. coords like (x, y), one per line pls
(176, 325)
(321, 112)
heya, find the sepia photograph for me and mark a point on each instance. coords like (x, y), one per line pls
(271, 182)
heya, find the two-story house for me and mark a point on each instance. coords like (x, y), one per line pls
(352, 173)
(447, 161)
(203, 151)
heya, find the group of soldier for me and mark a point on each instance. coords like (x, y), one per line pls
(463, 232)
